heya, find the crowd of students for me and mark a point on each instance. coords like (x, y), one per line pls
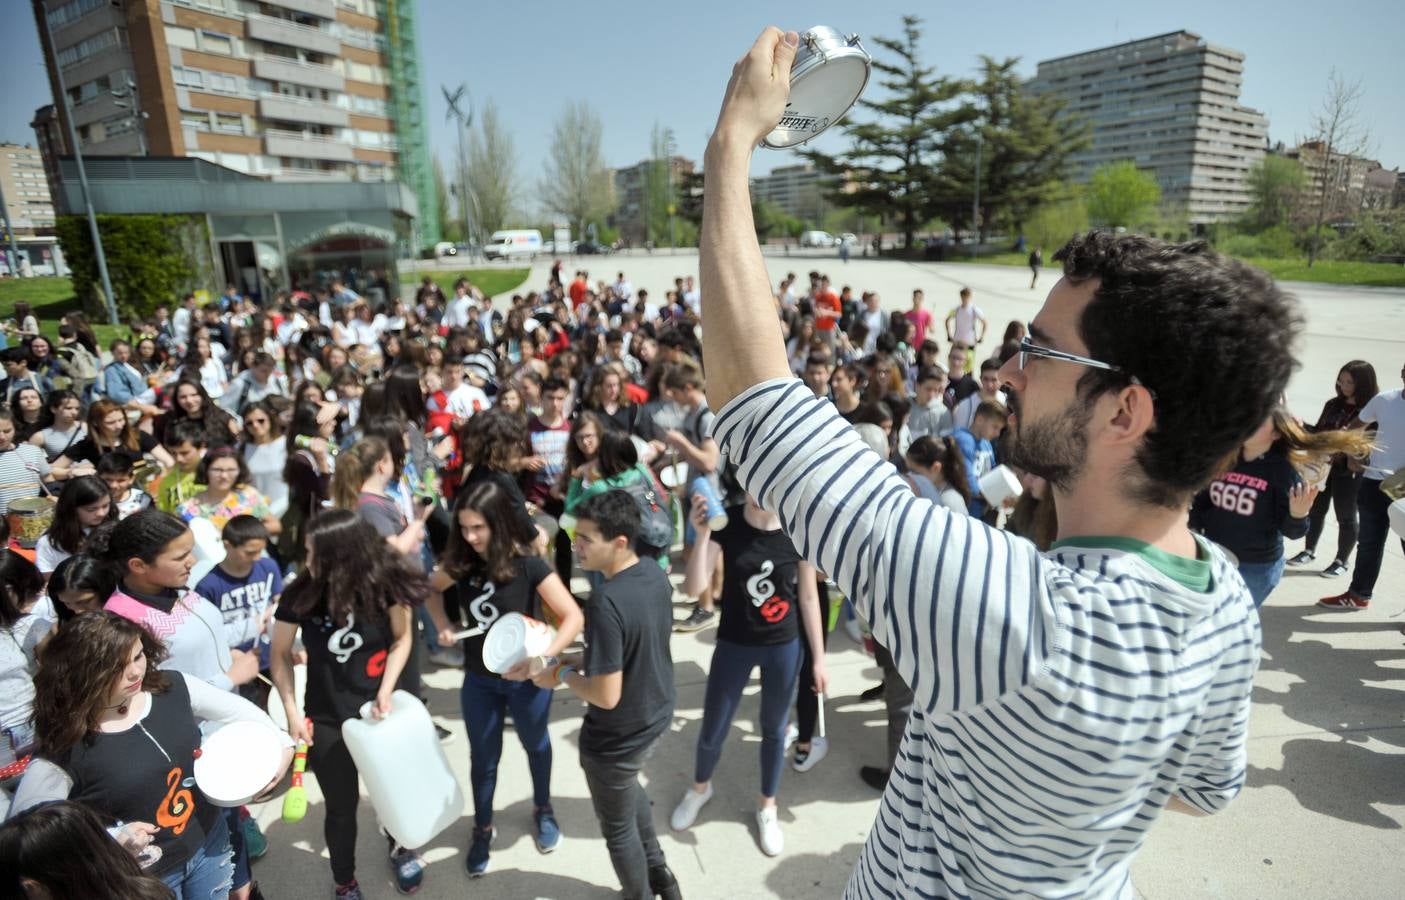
(384, 477)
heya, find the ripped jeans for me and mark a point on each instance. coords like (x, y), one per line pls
(208, 872)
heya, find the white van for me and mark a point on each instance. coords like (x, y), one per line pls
(518, 242)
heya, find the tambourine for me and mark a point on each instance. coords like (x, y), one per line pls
(829, 73)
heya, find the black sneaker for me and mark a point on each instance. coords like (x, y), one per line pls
(662, 883)
(1302, 558)
(697, 620)
(874, 777)
(873, 693)
(1335, 570)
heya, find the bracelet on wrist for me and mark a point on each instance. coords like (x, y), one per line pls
(561, 671)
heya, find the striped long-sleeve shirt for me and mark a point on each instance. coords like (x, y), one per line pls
(1061, 698)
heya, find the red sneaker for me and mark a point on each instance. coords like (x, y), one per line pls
(1345, 602)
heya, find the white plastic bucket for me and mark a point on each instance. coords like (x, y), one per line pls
(237, 762)
(407, 776)
(513, 638)
(209, 549)
(275, 699)
(674, 476)
(1396, 512)
(1000, 484)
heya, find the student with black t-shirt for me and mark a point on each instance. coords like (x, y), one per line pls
(488, 561)
(767, 592)
(626, 677)
(120, 735)
(354, 603)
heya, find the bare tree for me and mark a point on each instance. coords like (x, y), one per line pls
(492, 172)
(576, 182)
(1338, 127)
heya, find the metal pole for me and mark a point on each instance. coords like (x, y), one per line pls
(14, 252)
(976, 201)
(82, 176)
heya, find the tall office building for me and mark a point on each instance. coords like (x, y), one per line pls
(1170, 104)
(295, 90)
(26, 190)
(797, 190)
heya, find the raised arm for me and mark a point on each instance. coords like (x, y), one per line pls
(740, 325)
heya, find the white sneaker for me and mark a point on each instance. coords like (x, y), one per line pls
(792, 734)
(768, 828)
(805, 760)
(688, 808)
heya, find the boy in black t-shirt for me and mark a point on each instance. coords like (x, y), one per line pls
(626, 678)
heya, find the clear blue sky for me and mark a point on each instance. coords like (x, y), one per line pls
(645, 62)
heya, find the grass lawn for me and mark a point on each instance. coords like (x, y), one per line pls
(1324, 271)
(51, 298)
(490, 281)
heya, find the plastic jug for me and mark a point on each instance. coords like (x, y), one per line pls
(406, 774)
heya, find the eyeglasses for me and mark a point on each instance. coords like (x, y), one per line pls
(1028, 348)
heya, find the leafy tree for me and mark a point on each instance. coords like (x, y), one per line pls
(1121, 195)
(1025, 145)
(1342, 134)
(576, 182)
(1275, 185)
(1052, 224)
(894, 160)
(492, 170)
(150, 259)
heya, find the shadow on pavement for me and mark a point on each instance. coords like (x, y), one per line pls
(813, 874)
(1353, 695)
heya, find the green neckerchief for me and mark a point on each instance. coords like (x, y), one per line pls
(1191, 573)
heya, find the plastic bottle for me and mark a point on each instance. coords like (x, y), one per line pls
(407, 776)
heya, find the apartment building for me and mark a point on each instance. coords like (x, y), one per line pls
(25, 189)
(292, 90)
(1170, 104)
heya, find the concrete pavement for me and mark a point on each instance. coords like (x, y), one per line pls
(1321, 815)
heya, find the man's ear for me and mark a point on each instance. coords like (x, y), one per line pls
(1132, 414)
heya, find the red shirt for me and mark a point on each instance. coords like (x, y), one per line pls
(828, 309)
(577, 291)
(920, 319)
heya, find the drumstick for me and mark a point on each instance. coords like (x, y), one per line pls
(821, 712)
(468, 633)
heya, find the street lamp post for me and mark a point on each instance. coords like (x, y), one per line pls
(82, 174)
(976, 200)
(13, 254)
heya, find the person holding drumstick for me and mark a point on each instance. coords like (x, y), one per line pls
(1042, 742)
(120, 735)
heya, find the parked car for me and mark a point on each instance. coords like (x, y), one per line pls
(849, 239)
(592, 247)
(817, 239)
(445, 248)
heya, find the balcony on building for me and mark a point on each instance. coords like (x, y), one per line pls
(284, 70)
(295, 143)
(323, 9)
(282, 31)
(299, 109)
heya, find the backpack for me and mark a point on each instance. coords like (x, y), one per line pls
(655, 513)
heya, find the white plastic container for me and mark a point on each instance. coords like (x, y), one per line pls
(275, 699)
(1000, 484)
(208, 549)
(513, 638)
(1396, 513)
(407, 776)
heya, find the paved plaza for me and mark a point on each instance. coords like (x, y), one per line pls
(1321, 816)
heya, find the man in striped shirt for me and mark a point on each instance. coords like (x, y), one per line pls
(1063, 699)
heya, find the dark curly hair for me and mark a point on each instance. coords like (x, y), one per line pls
(492, 439)
(356, 571)
(1211, 337)
(79, 666)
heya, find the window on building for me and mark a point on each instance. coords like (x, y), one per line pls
(197, 120)
(103, 40)
(180, 37)
(77, 9)
(214, 42)
(190, 78)
(229, 122)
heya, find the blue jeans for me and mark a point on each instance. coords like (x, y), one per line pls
(239, 854)
(208, 872)
(730, 671)
(484, 702)
(1261, 578)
